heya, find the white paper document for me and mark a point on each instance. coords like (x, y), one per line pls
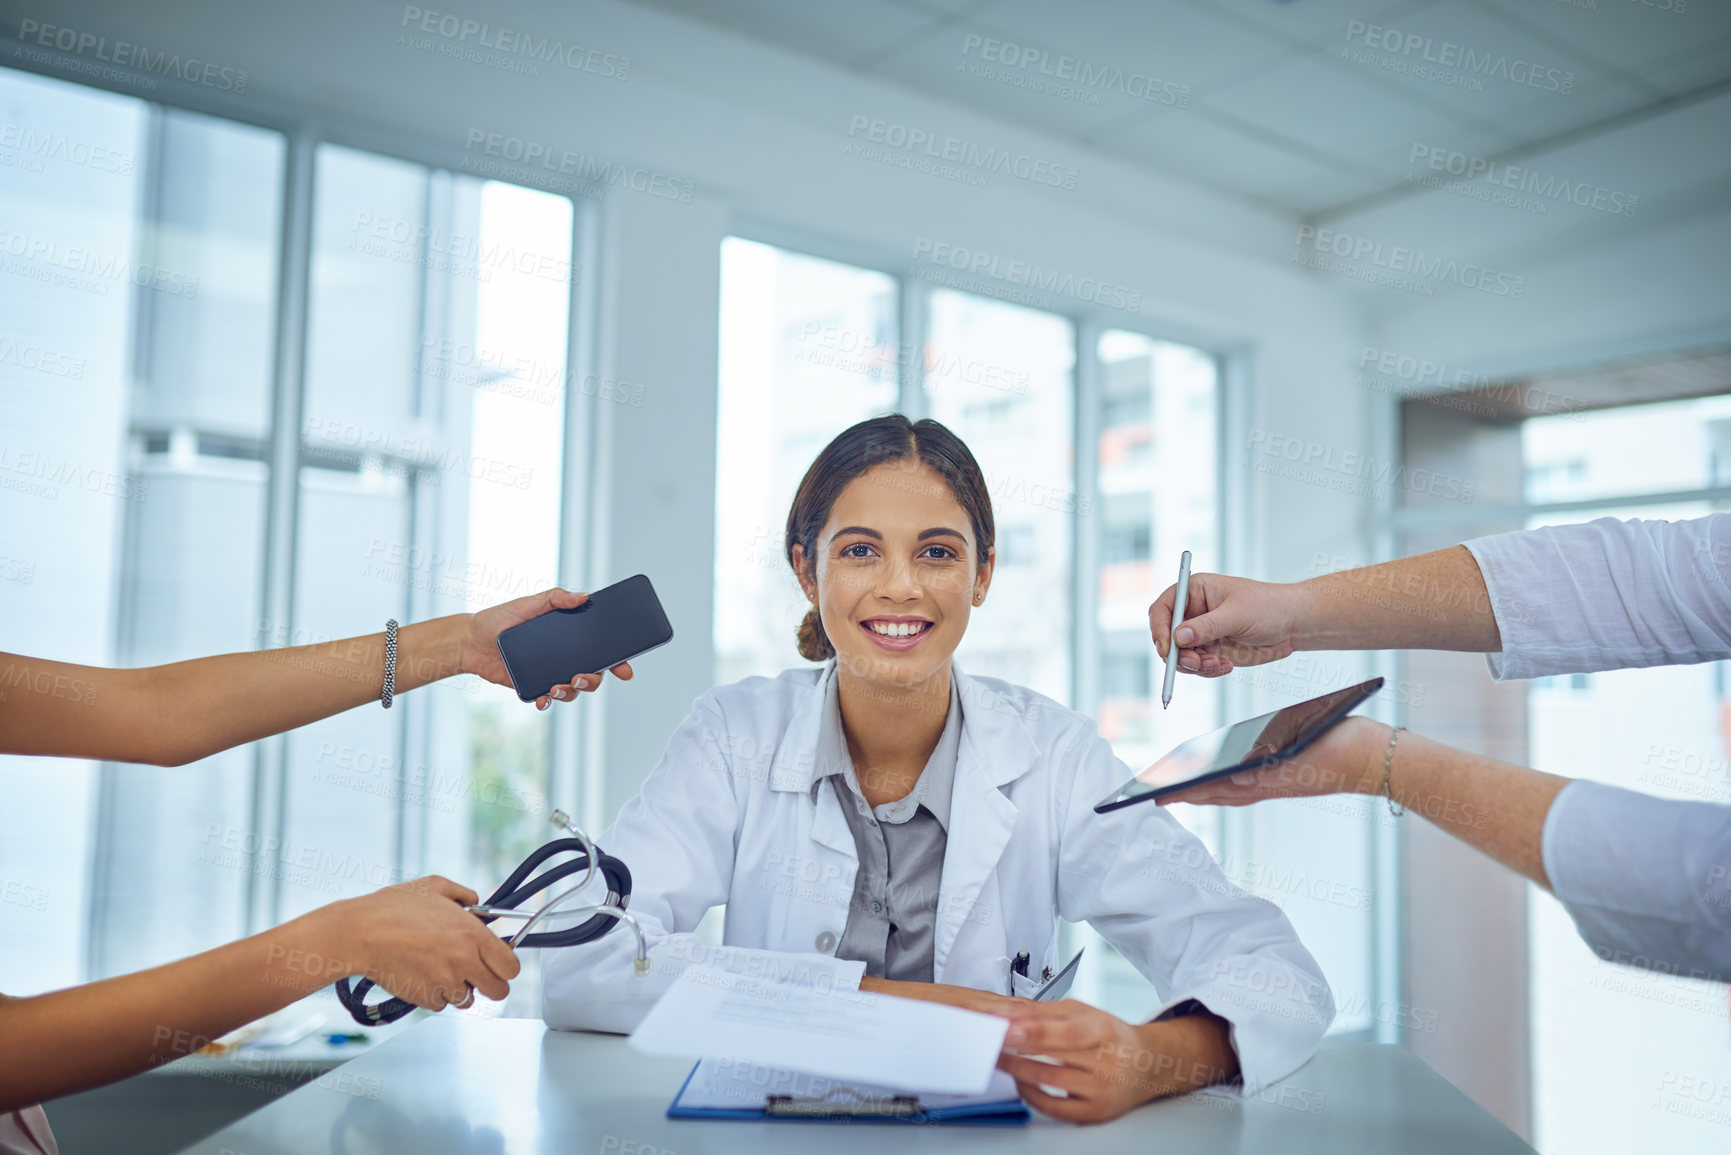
(857, 1036)
(726, 1085)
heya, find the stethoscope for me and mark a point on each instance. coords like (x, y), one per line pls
(500, 904)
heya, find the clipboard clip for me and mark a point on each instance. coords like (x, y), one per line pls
(826, 1106)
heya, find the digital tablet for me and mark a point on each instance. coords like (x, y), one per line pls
(1241, 746)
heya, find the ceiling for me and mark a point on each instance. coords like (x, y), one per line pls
(1282, 103)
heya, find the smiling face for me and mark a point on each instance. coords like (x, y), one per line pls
(896, 571)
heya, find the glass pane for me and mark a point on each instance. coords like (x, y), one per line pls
(1157, 498)
(1666, 447)
(808, 347)
(430, 484)
(206, 353)
(70, 226)
(1664, 731)
(194, 550)
(1003, 378)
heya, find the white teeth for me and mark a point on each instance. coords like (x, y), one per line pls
(896, 629)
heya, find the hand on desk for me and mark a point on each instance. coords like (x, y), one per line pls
(1106, 1066)
(481, 642)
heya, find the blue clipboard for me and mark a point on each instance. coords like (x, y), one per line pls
(845, 1105)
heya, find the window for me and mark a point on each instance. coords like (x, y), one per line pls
(1661, 731)
(138, 321)
(65, 479)
(808, 347)
(1157, 497)
(1664, 731)
(191, 569)
(430, 482)
(1003, 378)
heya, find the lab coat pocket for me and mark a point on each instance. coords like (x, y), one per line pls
(1024, 986)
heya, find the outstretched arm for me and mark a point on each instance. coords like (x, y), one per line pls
(1492, 806)
(415, 940)
(174, 714)
(1434, 601)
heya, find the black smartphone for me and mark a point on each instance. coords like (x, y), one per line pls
(613, 626)
(1241, 746)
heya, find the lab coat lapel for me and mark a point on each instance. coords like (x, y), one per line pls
(795, 769)
(996, 749)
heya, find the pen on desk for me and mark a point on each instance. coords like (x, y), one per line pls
(1181, 596)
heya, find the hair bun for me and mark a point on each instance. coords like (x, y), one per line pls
(814, 645)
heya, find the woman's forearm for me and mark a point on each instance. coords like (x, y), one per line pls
(1498, 808)
(216, 703)
(69, 1040)
(173, 714)
(1185, 1054)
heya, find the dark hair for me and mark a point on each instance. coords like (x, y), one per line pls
(858, 449)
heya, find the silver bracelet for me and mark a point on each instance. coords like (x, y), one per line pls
(390, 690)
(1394, 807)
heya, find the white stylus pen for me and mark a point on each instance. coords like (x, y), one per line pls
(1178, 601)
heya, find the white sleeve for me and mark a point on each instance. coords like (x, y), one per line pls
(1608, 595)
(1151, 888)
(1647, 880)
(677, 839)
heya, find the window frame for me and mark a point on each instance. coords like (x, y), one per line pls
(1231, 372)
(302, 135)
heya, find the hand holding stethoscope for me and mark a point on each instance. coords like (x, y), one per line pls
(518, 888)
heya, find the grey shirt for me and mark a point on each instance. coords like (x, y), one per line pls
(892, 918)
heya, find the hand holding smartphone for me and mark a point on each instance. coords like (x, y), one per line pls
(614, 625)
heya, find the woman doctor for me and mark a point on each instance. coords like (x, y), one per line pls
(887, 823)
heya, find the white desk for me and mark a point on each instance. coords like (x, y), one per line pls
(455, 1085)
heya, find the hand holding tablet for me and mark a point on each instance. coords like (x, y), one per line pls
(1238, 748)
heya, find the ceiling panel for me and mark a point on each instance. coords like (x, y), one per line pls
(1657, 164)
(1595, 100)
(1626, 34)
(1692, 69)
(1312, 21)
(1447, 32)
(1163, 49)
(841, 32)
(1310, 100)
(1283, 109)
(1192, 146)
(1166, 38)
(936, 64)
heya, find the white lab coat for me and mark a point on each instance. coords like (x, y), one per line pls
(1647, 880)
(729, 816)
